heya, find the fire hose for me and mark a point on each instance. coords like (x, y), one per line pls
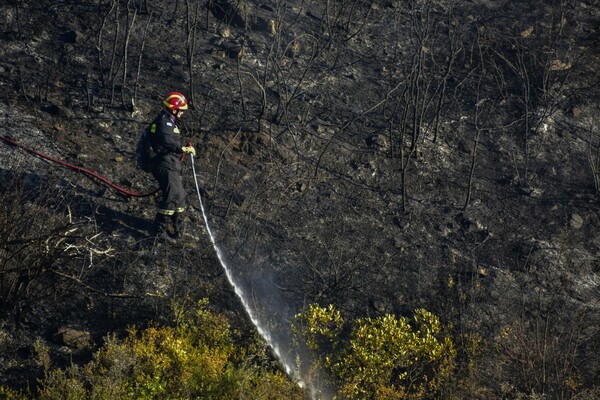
(77, 168)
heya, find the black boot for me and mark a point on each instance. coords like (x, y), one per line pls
(178, 225)
(160, 229)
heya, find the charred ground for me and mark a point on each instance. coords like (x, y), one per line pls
(378, 155)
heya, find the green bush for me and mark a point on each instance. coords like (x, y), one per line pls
(196, 358)
(380, 358)
(9, 394)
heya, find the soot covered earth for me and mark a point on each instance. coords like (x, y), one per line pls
(378, 155)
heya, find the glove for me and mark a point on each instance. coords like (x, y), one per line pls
(189, 149)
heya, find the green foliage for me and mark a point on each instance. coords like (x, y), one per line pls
(381, 358)
(9, 394)
(196, 358)
(321, 327)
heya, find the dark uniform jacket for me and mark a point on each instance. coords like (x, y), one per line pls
(166, 168)
(165, 140)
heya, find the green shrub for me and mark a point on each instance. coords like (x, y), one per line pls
(196, 358)
(10, 394)
(380, 358)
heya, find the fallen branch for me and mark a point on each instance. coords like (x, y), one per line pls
(85, 285)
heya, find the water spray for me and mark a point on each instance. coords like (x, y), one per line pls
(285, 360)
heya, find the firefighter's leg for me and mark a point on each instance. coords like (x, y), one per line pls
(177, 201)
(158, 225)
(161, 225)
(160, 228)
(178, 223)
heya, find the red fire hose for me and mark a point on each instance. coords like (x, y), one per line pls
(80, 169)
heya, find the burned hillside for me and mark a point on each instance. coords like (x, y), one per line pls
(379, 155)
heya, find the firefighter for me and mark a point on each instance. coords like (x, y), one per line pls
(166, 168)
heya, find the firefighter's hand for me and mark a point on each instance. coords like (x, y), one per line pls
(189, 150)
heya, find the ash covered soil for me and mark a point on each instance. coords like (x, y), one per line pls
(378, 155)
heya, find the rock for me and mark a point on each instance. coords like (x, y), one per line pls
(225, 32)
(398, 242)
(378, 141)
(301, 186)
(323, 129)
(527, 32)
(536, 193)
(576, 221)
(558, 65)
(73, 338)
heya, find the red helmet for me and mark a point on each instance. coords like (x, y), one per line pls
(176, 101)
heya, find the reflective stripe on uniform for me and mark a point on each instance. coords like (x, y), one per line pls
(153, 128)
(165, 212)
(180, 210)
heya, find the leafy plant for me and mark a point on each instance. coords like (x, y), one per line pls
(195, 358)
(380, 358)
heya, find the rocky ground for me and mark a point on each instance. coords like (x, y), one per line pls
(378, 155)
